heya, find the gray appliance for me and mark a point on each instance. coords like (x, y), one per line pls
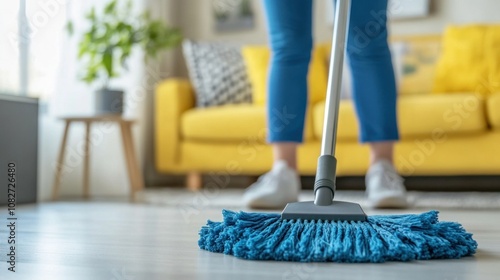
(18, 145)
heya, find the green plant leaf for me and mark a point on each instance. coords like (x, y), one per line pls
(107, 61)
(110, 7)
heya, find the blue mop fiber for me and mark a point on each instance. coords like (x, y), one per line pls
(264, 236)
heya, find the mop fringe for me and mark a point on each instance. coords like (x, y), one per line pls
(264, 236)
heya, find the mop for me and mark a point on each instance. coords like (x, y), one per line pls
(327, 230)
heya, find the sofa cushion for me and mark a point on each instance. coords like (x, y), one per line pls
(493, 108)
(418, 115)
(230, 123)
(462, 66)
(257, 60)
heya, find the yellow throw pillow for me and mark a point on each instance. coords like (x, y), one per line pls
(462, 66)
(257, 60)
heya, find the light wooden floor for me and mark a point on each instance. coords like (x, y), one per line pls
(120, 241)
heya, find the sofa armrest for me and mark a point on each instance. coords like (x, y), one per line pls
(173, 97)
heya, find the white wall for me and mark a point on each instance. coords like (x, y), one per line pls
(450, 12)
(195, 19)
(197, 22)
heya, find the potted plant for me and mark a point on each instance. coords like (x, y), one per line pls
(108, 42)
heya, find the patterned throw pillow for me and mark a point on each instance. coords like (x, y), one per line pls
(218, 74)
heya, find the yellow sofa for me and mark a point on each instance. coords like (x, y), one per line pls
(449, 121)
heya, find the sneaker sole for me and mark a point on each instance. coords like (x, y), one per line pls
(395, 202)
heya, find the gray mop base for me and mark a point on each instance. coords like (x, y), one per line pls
(337, 211)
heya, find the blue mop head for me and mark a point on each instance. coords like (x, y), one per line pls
(262, 236)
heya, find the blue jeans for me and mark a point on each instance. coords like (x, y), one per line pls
(374, 87)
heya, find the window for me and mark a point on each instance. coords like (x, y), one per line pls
(9, 51)
(30, 47)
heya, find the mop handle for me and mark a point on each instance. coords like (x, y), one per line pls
(324, 185)
(335, 77)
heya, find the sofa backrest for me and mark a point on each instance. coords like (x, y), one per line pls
(464, 59)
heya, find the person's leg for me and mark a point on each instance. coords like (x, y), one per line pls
(290, 35)
(381, 151)
(374, 93)
(374, 85)
(286, 152)
(289, 24)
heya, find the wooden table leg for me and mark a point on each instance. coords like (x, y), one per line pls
(194, 181)
(134, 171)
(139, 179)
(60, 162)
(86, 156)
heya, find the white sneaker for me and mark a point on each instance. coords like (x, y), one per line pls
(274, 189)
(384, 186)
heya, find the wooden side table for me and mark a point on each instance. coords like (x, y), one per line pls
(133, 170)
